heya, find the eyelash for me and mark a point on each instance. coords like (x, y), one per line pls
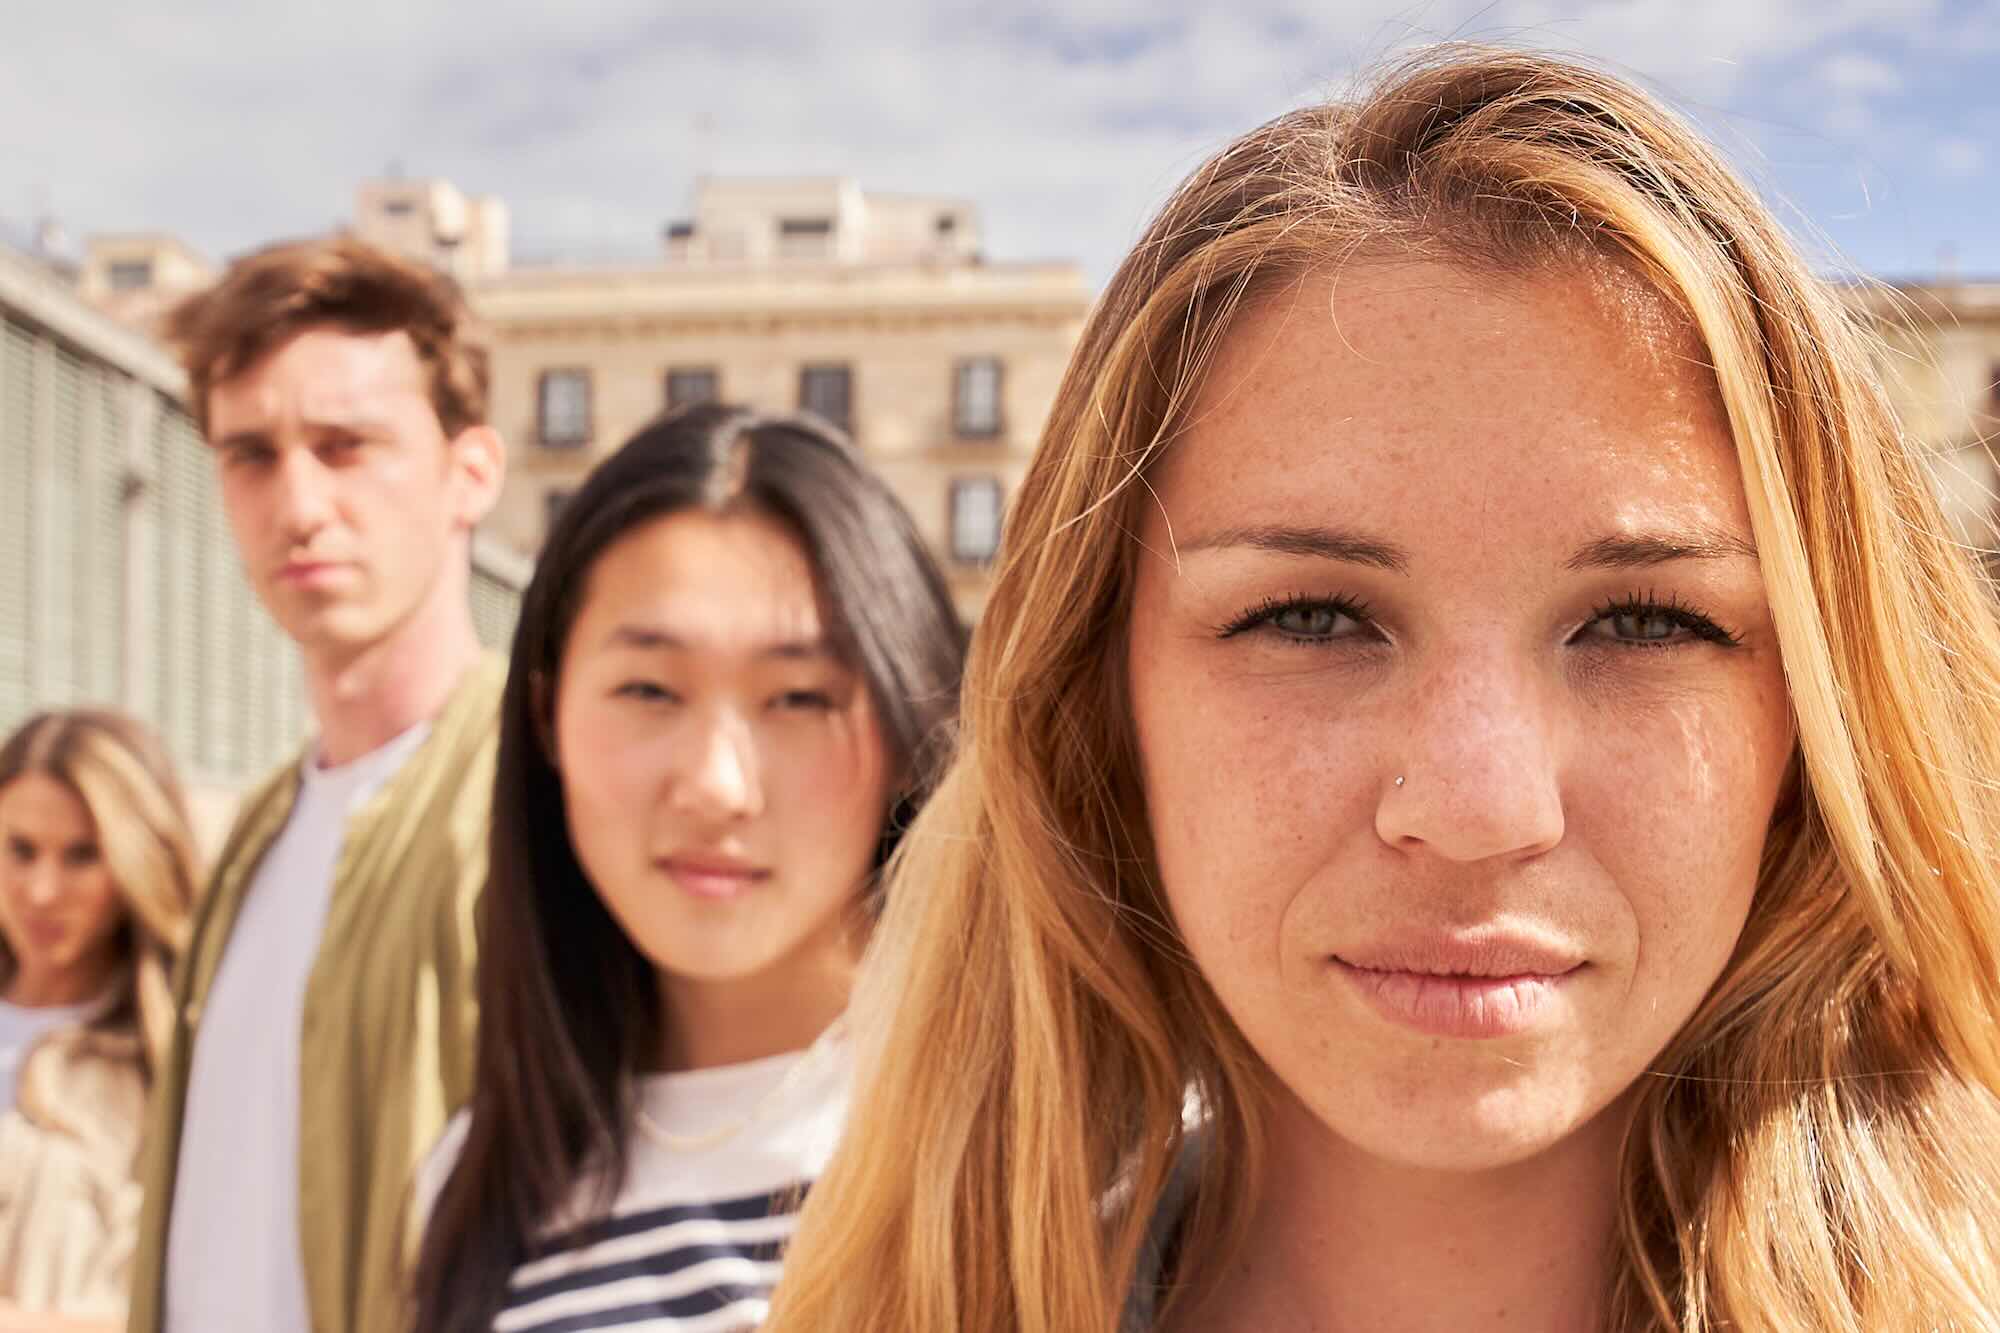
(647, 692)
(1670, 608)
(1267, 612)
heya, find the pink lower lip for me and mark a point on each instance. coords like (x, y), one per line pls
(1473, 1008)
(704, 882)
(310, 575)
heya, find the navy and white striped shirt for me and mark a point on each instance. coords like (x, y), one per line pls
(692, 1242)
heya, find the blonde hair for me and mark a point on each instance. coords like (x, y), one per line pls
(1815, 1150)
(122, 774)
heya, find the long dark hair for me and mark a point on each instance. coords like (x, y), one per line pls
(568, 1006)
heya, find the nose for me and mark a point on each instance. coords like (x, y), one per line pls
(44, 883)
(302, 504)
(1477, 771)
(720, 782)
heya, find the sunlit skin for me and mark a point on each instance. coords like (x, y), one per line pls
(352, 510)
(60, 908)
(1487, 536)
(725, 778)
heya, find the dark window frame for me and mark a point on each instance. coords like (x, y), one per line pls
(580, 440)
(119, 275)
(961, 552)
(972, 430)
(844, 370)
(713, 374)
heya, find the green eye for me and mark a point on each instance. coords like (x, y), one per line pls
(1647, 625)
(1300, 620)
(1309, 622)
(1650, 623)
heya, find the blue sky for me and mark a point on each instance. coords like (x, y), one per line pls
(1870, 122)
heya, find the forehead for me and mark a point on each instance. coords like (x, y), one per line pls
(45, 807)
(731, 582)
(322, 372)
(1569, 400)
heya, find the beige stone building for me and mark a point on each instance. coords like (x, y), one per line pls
(136, 277)
(878, 312)
(434, 222)
(1942, 367)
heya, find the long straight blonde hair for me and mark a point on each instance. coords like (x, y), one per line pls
(1819, 1149)
(122, 774)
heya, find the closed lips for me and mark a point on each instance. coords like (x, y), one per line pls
(1493, 958)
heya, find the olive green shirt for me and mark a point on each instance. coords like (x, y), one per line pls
(386, 1044)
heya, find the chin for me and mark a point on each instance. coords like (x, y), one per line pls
(714, 968)
(1458, 1128)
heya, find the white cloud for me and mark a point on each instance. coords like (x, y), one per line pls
(1852, 72)
(232, 121)
(1958, 156)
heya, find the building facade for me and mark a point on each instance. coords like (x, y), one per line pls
(877, 312)
(119, 585)
(435, 223)
(136, 278)
(1941, 363)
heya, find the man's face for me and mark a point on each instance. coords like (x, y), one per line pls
(349, 504)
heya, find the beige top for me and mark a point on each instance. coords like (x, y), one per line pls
(69, 1204)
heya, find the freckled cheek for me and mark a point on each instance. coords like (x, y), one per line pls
(1253, 788)
(1676, 808)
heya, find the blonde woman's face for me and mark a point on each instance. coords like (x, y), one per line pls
(59, 905)
(1458, 699)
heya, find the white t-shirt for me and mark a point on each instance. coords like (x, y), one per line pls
(233, 1257)
(691, 1244)
(21, 1027)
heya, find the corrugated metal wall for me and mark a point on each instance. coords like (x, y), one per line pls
(118, 581)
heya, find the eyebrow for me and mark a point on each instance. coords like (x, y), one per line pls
(1323, 543)
(651, 638)
(241, 439)
(1617, 551)
(1641, 550)
(358, 423)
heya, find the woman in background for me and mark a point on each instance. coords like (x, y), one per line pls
(98, 874)
(1476, 806)
(732, 670)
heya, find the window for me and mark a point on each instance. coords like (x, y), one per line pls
(130, 275)
(399, 208)
(553, 502)
(805, 238)
(827, 392)
(563, 409)
(975, 519)
(688, 385)
(975, 398)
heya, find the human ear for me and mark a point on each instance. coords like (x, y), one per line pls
(479, 456)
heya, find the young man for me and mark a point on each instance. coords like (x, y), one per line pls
(325, 1019)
